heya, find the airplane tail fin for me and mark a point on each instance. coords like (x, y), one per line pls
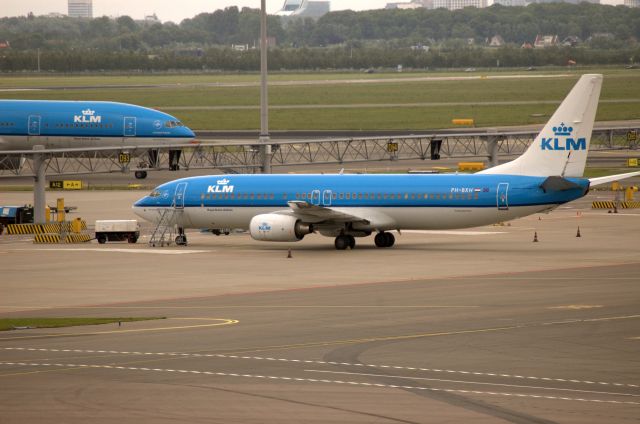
(561, 148)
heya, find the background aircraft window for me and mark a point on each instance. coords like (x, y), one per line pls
(226, 196)
(413, 196)
(265, 196)
(334, 196)
(304, 195)
(476, 196)
(406, 196)
(284, 195)
(251, 196)
(469, 196)
(233, 196)
(450, 196)
(366, 195)
(297, 195)
(341, 196)
(353, 196)
(437, 196)
(379, 196)
(348, 196)
(457, 196)
(392, 196)
(271, 196)
(360, 196)
(372, 196)
(259, 196)
(386, 196)
(202, 196)
(431, 196)
(215, 196)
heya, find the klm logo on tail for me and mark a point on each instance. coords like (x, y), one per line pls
(562, 141)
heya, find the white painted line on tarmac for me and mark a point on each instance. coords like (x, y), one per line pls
(158, 251)
(519, 386)
(313, 380)
(308, 361)
(454, 233)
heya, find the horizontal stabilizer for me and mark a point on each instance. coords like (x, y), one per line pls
(558, 184)
(612, 178)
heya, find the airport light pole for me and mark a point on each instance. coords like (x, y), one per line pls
(265, 147)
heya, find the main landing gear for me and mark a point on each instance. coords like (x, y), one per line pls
(181, 239)
(345, 240)
(384, 239)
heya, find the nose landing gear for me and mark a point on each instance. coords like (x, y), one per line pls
(181, 239)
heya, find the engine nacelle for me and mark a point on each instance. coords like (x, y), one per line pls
(275, 227)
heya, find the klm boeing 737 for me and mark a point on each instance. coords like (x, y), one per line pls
(78, 125)
(288, 207)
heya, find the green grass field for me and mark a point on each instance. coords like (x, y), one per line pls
(12, 323)
(320, 101)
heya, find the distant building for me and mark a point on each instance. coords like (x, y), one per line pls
(55, 15)
(571, 41)
(81, 8)
(496, 41)
(563, 1)
(511, 2)
(543, 41)
(413, 4)
(632, 3)
(304, 9)
(151, 19)
(458, 4)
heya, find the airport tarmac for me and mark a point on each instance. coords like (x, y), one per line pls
(480, 325)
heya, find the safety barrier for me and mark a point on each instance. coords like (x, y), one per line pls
(55, 238)
(54, 227)
(612, 205)
(47, 238)
(77, 238)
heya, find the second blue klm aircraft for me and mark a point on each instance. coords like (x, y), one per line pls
(288, 207)
(77, 125)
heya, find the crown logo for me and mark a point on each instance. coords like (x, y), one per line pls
(223, 181)
(88, 112)
(562, 129)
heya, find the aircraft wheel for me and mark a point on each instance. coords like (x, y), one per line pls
(380, 239)
(384, 239)
(390, 239)
(352, 241)
(342, 242)
(181, 240)
(102, 239)
(141, 175)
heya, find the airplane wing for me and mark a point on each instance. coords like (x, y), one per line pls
(612, 178)
(318, 213)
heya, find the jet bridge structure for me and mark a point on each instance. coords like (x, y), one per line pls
(243, 156)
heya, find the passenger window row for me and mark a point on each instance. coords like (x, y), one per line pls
(345, 196)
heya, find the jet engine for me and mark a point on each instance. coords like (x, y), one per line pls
(275, 227)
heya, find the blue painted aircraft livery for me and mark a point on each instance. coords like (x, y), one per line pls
(79, 124)
(286, 208)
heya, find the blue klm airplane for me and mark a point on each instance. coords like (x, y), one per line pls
(288, 207)
(78, 125)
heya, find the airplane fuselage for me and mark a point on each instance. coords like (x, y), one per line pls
(80, 124)
(384, 202)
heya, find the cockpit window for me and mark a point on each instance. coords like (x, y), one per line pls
(172, 124)
(154, 193)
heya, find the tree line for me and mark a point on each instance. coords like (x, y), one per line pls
(226, 59)
(346, 39)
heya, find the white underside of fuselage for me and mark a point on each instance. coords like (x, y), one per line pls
(384, 218)
(13, 142)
